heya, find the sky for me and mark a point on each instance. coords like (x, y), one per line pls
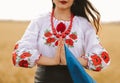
(29, 9)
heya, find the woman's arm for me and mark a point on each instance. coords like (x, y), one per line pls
(83, 61)
(44, 60)
(59, 58)
(96, 55)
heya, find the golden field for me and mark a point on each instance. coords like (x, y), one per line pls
(11, 31)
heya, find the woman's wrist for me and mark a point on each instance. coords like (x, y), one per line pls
(83, 61)
(44, 60)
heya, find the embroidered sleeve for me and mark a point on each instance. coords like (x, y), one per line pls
(96, 55)
(26, 53)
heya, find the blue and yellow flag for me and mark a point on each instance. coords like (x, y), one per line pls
(77, 72)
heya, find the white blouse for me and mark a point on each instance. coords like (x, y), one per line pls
(38, 39)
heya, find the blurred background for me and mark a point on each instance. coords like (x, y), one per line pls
(15, 16)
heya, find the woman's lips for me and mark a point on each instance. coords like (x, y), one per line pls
(63, 2)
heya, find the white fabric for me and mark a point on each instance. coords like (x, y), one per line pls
(34, 41)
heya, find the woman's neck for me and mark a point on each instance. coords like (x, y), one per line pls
(62, 14)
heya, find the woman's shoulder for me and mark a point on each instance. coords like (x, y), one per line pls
(81, 19)
(41, 18)
(84, 23)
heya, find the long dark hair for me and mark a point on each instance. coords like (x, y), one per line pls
(85, 9)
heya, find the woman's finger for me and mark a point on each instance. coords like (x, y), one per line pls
(60, 41)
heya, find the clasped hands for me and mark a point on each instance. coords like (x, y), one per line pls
(60, 53)
(60, 58)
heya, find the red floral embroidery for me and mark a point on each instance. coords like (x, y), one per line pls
(96, 60)
(48, 34)
(23, 63)
(98, 69)
(25, 54)
(73, 36)
(14, 57)
(61, 27)
(50, 40)
(105, 57)
(16, 47)
(72, 39)
(69, 42)
(56, 43)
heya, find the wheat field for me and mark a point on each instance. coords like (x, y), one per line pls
(11, 31)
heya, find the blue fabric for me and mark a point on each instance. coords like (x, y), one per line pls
(77, 72)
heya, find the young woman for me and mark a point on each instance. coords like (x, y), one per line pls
(69, 23)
